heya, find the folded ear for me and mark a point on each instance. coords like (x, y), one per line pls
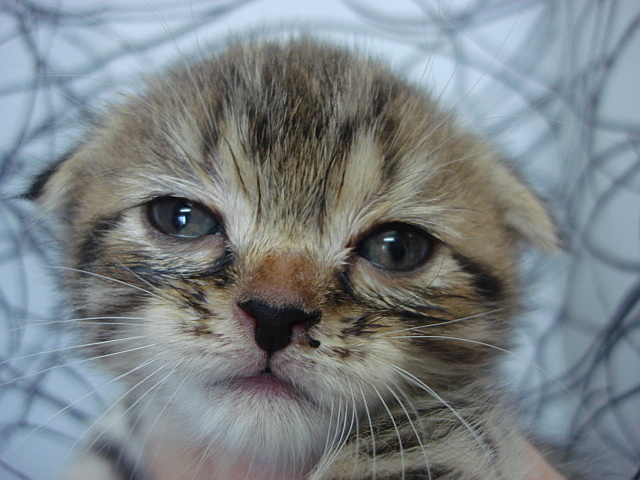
(523, 212)
(37, 187)
(53, 188)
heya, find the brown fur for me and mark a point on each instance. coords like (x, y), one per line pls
(302, 151)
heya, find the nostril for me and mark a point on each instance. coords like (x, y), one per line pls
(274, 324)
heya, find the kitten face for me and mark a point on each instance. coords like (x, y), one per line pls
(286, 239)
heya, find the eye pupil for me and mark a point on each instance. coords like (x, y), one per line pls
(396, 247)
(180, 217)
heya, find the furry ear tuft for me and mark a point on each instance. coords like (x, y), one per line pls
(53, 188)
(37, 190)
(532, 222)
(37, 187)
(523, 212)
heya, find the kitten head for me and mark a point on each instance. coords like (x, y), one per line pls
(284, 237)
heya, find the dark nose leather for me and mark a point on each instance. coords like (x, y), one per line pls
(274, 324)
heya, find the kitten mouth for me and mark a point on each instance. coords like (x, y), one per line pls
(265, 384)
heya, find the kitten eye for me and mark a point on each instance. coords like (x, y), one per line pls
(396, 247)
(179, 217)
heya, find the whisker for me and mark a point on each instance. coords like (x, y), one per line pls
(448, 322)
(69, 348)
(335, 440)
(77, 362)
(160, 414)
(111, 279)
(468, 340)
(137, 275)
(357, 428)
(526, 360)
(26, 324)
(419, 383)
(373, 434)
(327, 440)
(338, 436)
(117, 403)
(395, 427)
(93, 392)
(411, 423)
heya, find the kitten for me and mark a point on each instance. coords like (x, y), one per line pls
(303, 269)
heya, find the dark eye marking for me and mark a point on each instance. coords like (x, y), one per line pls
(182, 218)
(396, 247)
(485, 282)
(91, 247)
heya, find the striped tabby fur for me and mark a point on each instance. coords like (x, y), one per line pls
(335, 296)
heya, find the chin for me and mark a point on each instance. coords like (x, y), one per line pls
(260, 421)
